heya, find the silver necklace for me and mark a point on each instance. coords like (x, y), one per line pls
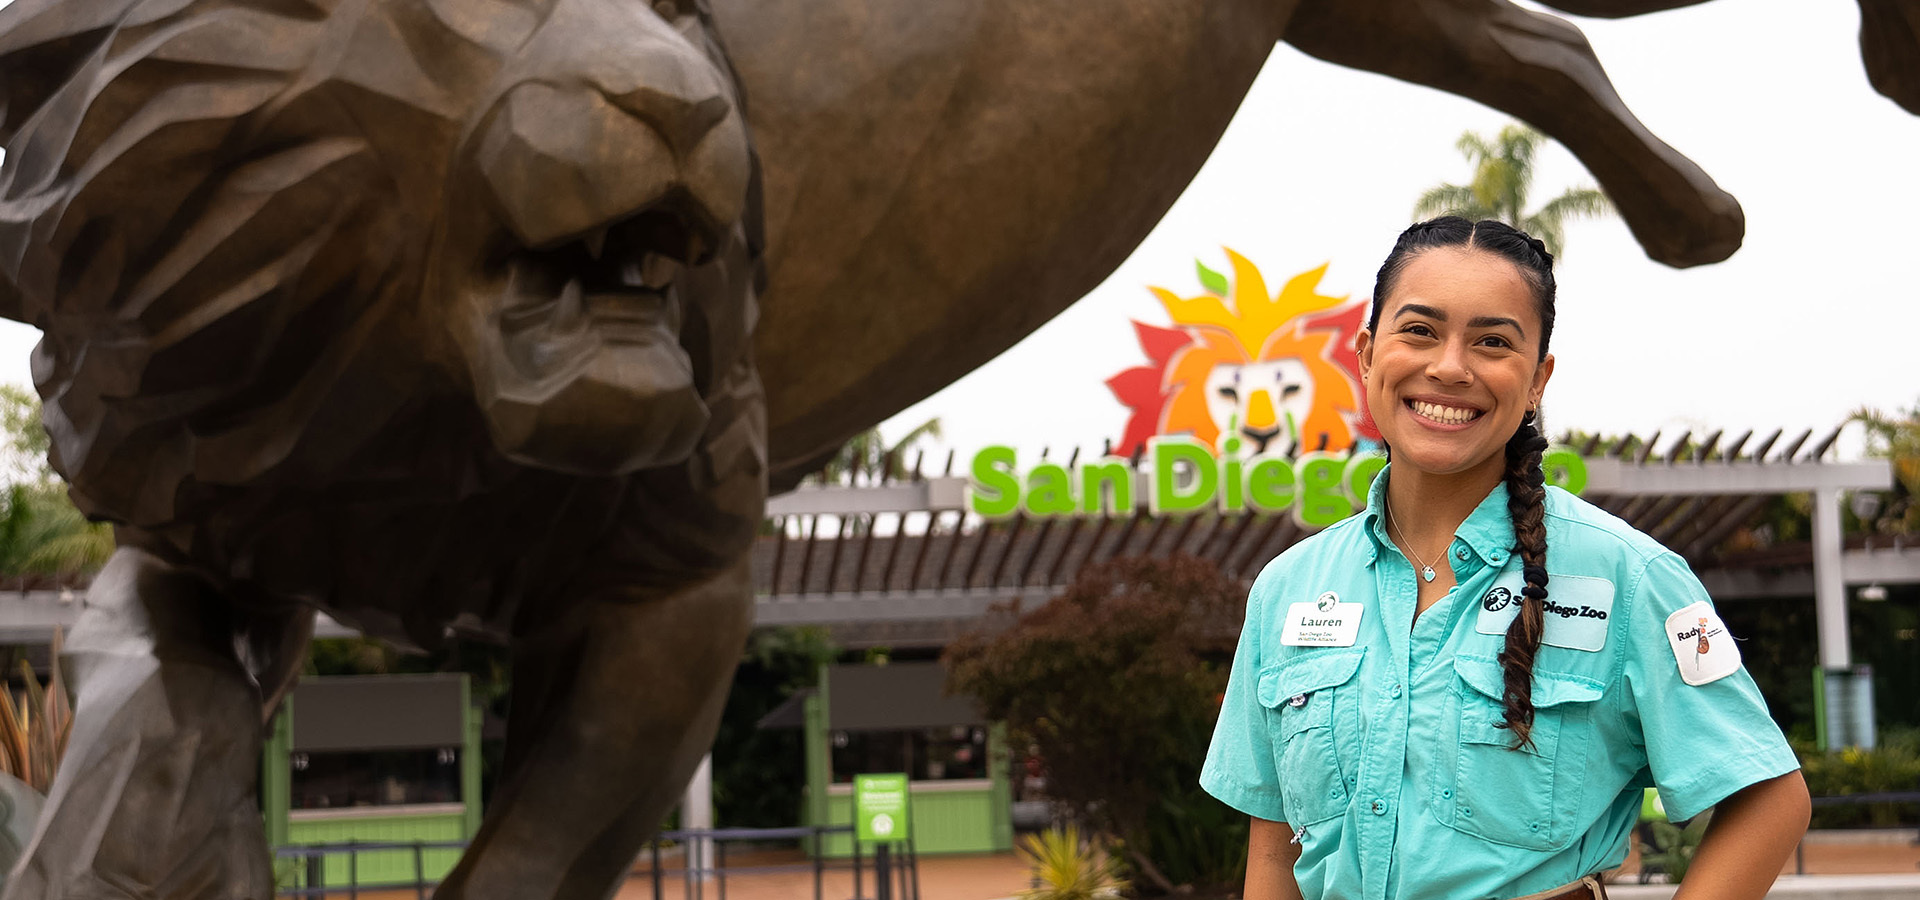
(1426, 571)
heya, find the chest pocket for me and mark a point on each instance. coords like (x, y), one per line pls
(1526, 797)
(1312, 714)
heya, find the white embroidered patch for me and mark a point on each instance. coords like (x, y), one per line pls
(1702, 647)
(1577, 609)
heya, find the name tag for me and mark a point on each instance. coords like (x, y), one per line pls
(1327, 622)
(1578, 608)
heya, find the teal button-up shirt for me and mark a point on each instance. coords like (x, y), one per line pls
(1387, 757)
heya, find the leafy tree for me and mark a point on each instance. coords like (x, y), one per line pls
(1502, 182)
(1117, 684)
(42, 536)
(1895, 436)
(758, 773)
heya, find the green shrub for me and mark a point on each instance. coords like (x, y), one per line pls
(1892, 766)
(1116, 684)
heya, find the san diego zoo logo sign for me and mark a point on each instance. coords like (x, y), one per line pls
(1249, 402)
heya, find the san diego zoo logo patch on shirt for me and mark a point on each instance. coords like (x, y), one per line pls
(1577, 609)
(1702, 647)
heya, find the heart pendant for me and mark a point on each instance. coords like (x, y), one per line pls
(1427, 573)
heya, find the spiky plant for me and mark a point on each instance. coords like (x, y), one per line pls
(1069, 868)
(34, 726)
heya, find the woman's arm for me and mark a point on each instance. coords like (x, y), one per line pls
(1747, 843)
(1271, 854)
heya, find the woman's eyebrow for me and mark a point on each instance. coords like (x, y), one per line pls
(1495, 322)
(1420, 309)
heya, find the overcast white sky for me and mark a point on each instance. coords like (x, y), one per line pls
(1817, 315)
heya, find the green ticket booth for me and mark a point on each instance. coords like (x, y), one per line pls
(384, 759)
(895, 718)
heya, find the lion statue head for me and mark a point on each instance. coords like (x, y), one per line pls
(328, 249)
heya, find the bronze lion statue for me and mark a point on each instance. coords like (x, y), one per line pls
(432, 314)
(453, 316)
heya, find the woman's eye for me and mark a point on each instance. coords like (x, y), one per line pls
(1417, 328)
(1494, 340)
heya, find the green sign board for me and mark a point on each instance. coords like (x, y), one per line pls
(880, 807)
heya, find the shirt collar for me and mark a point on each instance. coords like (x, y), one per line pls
(1488, 529)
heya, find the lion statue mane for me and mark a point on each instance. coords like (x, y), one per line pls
(405, 313)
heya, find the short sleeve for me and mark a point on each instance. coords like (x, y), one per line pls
(1239, 769)
(1707, 734)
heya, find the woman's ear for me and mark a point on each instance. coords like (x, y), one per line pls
(1363, 348)
(1540, 377)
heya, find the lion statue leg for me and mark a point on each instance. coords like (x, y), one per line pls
(155, 798)
(613, 705)
(1542, 69)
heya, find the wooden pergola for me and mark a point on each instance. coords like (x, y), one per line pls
(901, 562)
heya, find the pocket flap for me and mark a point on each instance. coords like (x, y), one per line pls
(1549, 688)
(1308, 672)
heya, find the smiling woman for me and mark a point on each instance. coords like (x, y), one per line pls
(1456, 708)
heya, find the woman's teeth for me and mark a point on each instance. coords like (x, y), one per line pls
(1448, 415)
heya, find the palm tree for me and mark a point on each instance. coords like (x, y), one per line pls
(1502, 178)
(867, 456)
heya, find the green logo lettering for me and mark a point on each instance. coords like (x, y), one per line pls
(1167, 453)
(993, 491)
(1323, 496)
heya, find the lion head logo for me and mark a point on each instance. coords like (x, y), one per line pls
(1277, 372)
(262, 242)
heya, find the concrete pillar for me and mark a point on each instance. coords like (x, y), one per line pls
(1829, 584)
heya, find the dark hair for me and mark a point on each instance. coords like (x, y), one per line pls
(1526, 484)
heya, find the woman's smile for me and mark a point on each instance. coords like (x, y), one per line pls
(1441, 412)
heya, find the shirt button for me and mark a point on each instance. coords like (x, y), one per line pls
(1379, 807)
(1533, 826)
(1446, 795)
(1460, 554)
(1466, 811)
(1395, 693)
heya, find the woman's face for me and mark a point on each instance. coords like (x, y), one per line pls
(1454, 363)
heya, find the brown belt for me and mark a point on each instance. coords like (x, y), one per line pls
(1588, 888)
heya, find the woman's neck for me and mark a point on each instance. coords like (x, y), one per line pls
(1427, 508)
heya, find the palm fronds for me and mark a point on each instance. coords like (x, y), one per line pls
(1502, 183)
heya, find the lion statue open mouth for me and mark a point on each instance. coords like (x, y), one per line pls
(434, 315)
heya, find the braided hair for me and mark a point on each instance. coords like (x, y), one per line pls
(1526, 484)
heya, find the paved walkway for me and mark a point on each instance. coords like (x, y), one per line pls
(1840, 867)
(1883, 866)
